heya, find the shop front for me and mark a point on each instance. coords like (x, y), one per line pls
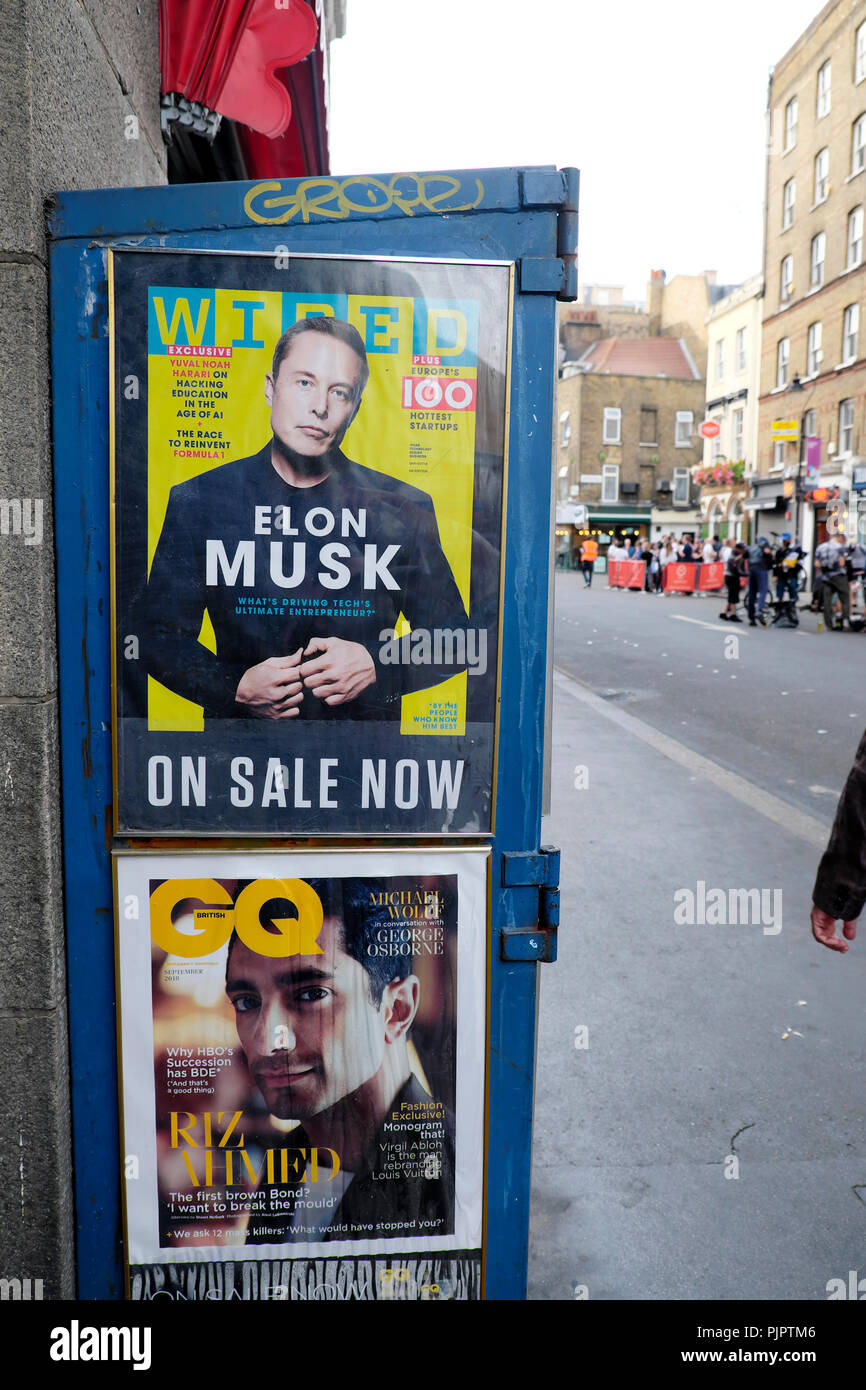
(675, 521)
(571, 527)
(766, 513)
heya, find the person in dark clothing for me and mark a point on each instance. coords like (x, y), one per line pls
(736, 568)
(303, 561)
(786, 568)
(646, 553)
(760, 564)
(840, 885)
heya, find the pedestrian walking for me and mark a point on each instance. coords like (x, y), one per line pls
(588, 557)
(736, 568)
(832, 558)
(760, 564)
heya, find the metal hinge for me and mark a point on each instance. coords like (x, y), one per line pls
(552, 274)
(533, 940)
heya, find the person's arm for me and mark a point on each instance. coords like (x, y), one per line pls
(840, 886)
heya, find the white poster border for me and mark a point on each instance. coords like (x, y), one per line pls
(135, 1005)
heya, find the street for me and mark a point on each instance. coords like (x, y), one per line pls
(699, 1097)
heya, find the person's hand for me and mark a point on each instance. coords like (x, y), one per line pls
(340, 673)
(824, 930)
(273, 689)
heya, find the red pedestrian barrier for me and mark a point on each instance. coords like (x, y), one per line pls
(712, 576)
(626, 574)
(635, 571)
(680, 577)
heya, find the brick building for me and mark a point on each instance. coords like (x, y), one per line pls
(628, 416)
(813, 367)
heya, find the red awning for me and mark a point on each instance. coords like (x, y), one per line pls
(225, 54)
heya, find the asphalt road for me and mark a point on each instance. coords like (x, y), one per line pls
(787, 712)
(699, 1124)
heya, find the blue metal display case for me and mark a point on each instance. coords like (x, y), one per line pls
(527, 216)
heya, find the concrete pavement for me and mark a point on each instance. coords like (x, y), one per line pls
(708, 1142)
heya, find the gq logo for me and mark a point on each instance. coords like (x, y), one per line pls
(219, 916)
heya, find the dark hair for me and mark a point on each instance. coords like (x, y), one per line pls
(352, 901)
(335, 328)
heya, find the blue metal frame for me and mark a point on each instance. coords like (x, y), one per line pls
(517, 215)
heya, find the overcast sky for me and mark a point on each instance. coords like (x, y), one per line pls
(661, 107)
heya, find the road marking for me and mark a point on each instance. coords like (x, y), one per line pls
(796, 822)
(699, 622)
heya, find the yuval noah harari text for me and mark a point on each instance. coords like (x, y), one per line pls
(309, 483)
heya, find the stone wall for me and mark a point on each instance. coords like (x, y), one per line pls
(79, 109)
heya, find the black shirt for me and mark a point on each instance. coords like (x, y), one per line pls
(274, 565)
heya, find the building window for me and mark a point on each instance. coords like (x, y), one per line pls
(737, 428)
(816, 275)
(740, 350)
(860, 54)
(855, 238)
(610, 482)
(716, 443)
(683, 428)
(720, 359)
(846, 426)
(858, 144)
(786, 279)
(822, 175)
(822, 96)
(791, 124)
(807, 429)
(813, 349)
(681, 485)
(782, 351)
(649, 427)
(850, 330)
(778, 456)
(789, 193)
(611, 429)
(564, 430)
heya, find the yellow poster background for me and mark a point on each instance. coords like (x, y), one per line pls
(384, 436)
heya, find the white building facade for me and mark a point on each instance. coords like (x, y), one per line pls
(733, 386)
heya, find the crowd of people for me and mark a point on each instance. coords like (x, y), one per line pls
(657, 555)
(750, 571)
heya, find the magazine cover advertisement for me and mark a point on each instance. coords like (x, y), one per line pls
(302, 1042)
(308, 480)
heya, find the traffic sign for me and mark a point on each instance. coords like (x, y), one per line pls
(710, 429)
(785, 429)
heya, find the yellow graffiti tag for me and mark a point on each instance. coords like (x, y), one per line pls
(342, 198)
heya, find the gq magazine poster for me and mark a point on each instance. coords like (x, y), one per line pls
(308, 490)
(302, 1073)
